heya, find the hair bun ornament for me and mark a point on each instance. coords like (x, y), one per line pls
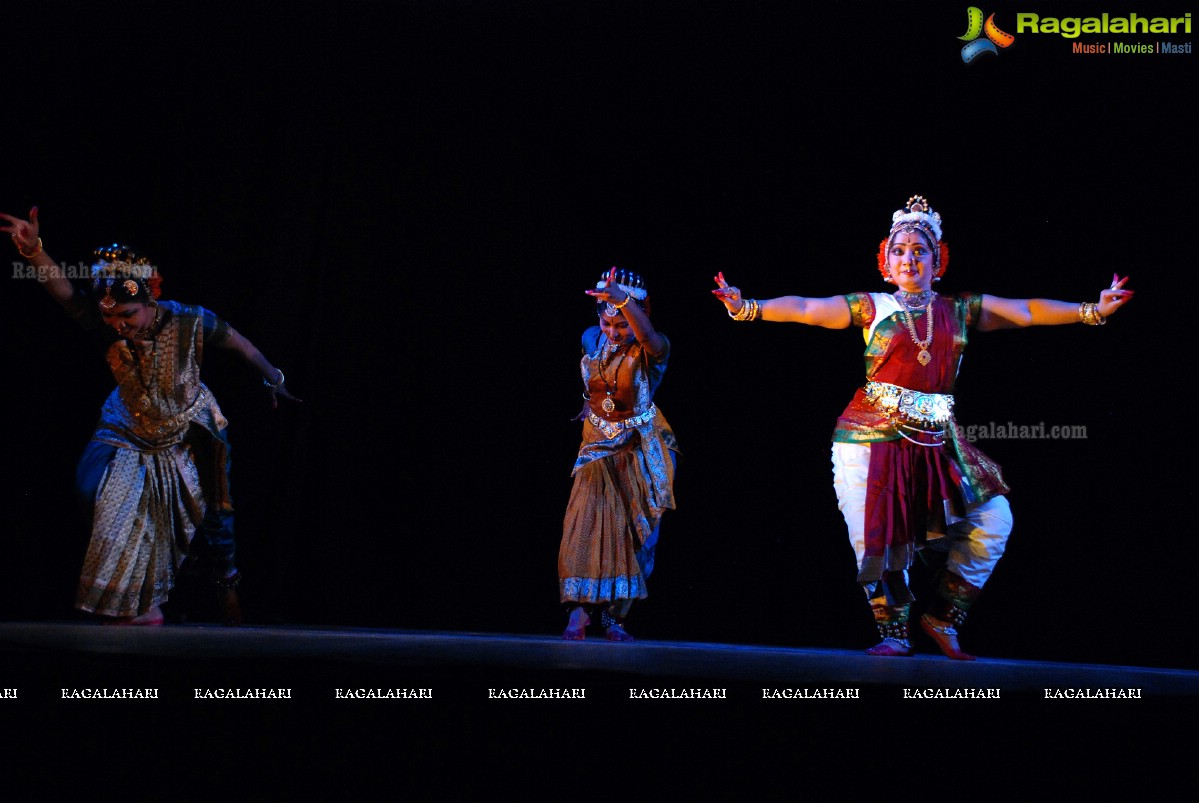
(626, 280)
(115, 259)
(119, 254)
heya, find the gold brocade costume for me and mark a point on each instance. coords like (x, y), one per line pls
(150, 498)
(623, 482)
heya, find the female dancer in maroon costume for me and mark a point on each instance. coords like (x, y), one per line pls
(905, 480)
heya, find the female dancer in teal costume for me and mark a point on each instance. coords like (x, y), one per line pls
(905, 480)
(156, 469)
(624, 475)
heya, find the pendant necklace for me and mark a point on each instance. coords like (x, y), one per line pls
(923, 356)
(608, 405)
(146, 381)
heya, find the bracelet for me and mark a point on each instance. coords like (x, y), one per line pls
(750, 310)
(621, 305)
(1088, 313)
(37, 249)
(278, 384)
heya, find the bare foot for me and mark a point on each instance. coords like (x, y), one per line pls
(150, 618)
(576, 625)
(945, 636)
(891, 648)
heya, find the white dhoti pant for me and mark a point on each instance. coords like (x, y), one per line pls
(974, 543)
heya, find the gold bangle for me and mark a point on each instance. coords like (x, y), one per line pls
(622, 304)
(1088, 313)
(37, 249)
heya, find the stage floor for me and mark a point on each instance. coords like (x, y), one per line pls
(280, 656)
(465, 712)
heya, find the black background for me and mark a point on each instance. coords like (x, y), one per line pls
(402, 203)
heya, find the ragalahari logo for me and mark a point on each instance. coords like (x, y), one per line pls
(975, 26)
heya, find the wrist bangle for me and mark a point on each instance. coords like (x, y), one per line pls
(1088, 313)
(750, 310)
(37, 249)
(621, 305)
(278, 384)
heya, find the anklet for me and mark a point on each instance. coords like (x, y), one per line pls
(947, 630)
(897, 631)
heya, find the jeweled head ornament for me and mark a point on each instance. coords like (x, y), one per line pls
(916, 216)
(628, 281)
(120, 275)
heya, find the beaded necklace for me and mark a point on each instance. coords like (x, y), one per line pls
(138, 344)
(923, 356)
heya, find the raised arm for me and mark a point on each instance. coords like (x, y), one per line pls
(639, 322)
(1010, 313)
(25, 237)
(272, 377)
(831, 313)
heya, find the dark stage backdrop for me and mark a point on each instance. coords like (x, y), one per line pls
(402, 203)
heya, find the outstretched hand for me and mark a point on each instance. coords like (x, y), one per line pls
(278, 391)
(24, 233)
(610, 292)
(1113, 297)
(730, 296)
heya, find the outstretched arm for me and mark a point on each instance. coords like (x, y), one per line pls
(831, 313)
(639, 322)
(1009, 313)
(25, 237)
(272, 377)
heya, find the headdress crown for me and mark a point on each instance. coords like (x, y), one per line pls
(917, 213)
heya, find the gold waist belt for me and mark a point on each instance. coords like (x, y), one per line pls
(613, 428)
(911, 406)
